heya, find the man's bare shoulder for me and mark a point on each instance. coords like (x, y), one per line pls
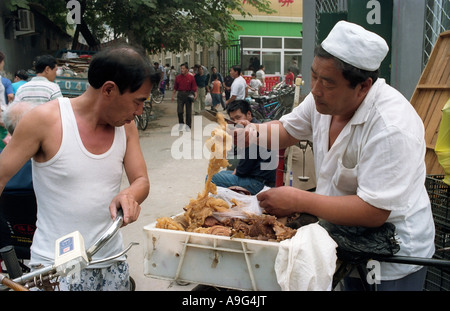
(42, 116)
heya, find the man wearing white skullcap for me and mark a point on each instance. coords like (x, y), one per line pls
(369, 152)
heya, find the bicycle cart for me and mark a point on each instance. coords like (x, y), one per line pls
(246, 264)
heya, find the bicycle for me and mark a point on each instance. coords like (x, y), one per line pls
(157, 96)
(64, 264)
(275, 104)
(142, 120)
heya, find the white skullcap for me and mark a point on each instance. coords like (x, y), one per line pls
(356, 46)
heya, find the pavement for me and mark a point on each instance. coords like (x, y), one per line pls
(173, 182)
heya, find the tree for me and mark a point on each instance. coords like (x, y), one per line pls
(157, 24)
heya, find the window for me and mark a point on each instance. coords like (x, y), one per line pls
(272, 43)
(251, 61)
(293, 43)
(251, 42)
(275, 53)
(293, 60)
(272, 62)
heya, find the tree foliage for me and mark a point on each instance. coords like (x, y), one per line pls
(155, 24)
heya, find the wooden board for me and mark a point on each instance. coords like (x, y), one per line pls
(430, 96)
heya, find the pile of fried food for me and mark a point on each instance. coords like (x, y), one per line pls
(198, 216)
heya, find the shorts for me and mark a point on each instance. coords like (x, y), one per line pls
(113, 278)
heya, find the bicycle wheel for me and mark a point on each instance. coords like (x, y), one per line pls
(142, 120)
(258, 115)
(157, 97)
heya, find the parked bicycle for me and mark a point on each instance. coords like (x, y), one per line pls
(273, 105)
(142, 120)
(157, 96)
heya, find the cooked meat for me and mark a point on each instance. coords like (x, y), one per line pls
(198, 213)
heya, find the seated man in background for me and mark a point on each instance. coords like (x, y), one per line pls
(249, 172)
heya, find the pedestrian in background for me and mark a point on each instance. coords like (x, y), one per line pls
(227, 82)
(216, 92)
(239, 86)
(172, 76)
(202, 81)
(20, 78)
(289, 79)
(254, 85)
(186, 90)
(221, 80)
(41, 89)
(261, 75)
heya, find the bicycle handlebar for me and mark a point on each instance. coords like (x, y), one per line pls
(50, 272)
(112, 230)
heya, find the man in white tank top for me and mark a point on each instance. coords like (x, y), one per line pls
(79, 148)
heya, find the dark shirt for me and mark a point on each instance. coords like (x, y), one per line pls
(201, 81)
(22, 181)
(251, 166)
(228, 81)
(185, 83)
(219, 76)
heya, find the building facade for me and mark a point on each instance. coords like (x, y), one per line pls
(273, 40)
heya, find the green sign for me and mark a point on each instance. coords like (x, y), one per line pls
(375, 16)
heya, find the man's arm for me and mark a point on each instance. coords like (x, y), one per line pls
(348, 210)
(175, 87)
(270, 135)
(232, 98)
(24, 144)
(130, 198)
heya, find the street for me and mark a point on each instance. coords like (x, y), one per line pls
(172, 184)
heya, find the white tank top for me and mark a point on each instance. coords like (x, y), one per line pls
(74, 190)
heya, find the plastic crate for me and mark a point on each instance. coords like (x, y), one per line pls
(439, 193)
(214, 260)
(438, 279)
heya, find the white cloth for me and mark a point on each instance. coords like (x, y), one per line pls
(238, 88)
(74, 190)
(379, 156)
(307, 261)
(356, 46)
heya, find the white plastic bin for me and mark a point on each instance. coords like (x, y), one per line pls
(210, 259)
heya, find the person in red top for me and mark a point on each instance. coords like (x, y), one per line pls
(289, 80)
(187, 92)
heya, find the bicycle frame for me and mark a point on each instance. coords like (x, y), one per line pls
(265, 110)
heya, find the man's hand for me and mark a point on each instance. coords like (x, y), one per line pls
(280, 201)
(131, 208)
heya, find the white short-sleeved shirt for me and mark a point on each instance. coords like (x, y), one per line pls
(38, 90)
(379, 156)
(238, 88)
